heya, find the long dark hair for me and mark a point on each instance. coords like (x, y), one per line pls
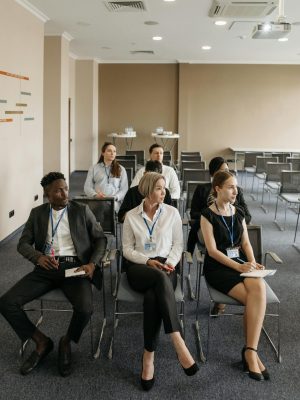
(115, 168)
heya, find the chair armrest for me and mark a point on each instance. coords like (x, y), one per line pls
(188, 257)
(199, 256)
(274, 256)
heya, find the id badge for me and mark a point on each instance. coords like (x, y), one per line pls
(150, 246)
(49, 250)
(233, 252)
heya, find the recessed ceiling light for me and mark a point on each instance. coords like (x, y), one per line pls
(267, 27)
(283, 39)
(206, 47)
(157, 38)
(220, 23)
(169, 0)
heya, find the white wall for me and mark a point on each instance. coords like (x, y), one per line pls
(21, 149)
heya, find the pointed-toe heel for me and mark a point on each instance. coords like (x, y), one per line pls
(192, 370)
(265, 374)
(253, 375)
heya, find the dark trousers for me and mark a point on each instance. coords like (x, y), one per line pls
(159, 300)
(38, 282)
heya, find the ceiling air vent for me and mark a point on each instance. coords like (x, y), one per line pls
(142, 52)
(125, 6)
(242, 8)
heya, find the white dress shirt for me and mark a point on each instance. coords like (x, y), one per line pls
(172, 182)
(62, 240)
(167, 235)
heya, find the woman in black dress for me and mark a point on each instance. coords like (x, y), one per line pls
(228, 254)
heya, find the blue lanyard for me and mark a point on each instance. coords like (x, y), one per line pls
(225, 223)
(54, 230)
(151, 230)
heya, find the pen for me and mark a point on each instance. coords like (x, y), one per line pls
(240, 260)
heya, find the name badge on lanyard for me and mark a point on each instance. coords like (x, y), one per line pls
(48, 248)
(232, 252)
(149, 244)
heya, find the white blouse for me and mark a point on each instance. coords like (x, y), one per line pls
(167, 235)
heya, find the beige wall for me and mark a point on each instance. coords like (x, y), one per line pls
(21, 150)
(213, 107)
(72, 96)
(86, 114)
(144, 96)
(239, 105)
(56, 98)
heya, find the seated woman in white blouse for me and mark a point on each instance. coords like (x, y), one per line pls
(152, 247)
(107, 178)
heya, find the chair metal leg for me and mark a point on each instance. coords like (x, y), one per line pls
(115, 324)
(277, 350)
(98, 349)
(296, 229)
(190, 289)
(202, 357)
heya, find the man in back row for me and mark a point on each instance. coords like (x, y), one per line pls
(58, 235)
(133, 197)
(156, 152)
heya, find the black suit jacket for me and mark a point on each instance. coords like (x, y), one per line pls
(87, 235)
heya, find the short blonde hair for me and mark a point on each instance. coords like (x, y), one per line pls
(148, 182)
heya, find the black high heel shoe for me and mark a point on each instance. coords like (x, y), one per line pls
(265, 372)
(146, 384)
(253, 375)
(190, 371)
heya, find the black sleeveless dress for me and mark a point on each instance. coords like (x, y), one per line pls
(218, 275)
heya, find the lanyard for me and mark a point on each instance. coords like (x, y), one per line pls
(225, 223)
(107, 174)
(152, 228)
(54, 229)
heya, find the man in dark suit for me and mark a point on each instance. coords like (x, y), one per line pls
(57, 236)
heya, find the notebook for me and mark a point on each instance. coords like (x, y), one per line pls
(259, 273)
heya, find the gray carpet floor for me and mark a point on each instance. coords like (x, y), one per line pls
(221, 377)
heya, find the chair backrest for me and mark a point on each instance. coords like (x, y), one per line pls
(255, 237)
(192, 165)
(168, 163)
(295, 163)
(140, 155)
(126, 157)
(281, 156)
(201, 175)
(273, 170)
(129, 164)
(190, 189)
(261, 163)
(190, 153)
(250, 159)
(167, 157)
(129, 172)
(187, 157)
(104, 211)
(290, 182)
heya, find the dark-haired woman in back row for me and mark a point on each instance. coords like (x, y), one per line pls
(107, 178)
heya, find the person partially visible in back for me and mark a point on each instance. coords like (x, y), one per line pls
(107, 178)
(156, 153)
(133, 197)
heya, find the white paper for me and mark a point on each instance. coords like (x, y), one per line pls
(71, 272)
(259, 273)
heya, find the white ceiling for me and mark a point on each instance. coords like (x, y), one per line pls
(184, 25)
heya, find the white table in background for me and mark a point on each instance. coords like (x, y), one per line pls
(128, 137)
(164, 138)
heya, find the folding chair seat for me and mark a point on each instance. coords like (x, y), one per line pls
(260, 174)
(125, 294)
(250, 164)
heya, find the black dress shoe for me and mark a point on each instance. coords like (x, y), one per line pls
(35, 358)
(192, 370)
(253, 375)
(64, 358)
